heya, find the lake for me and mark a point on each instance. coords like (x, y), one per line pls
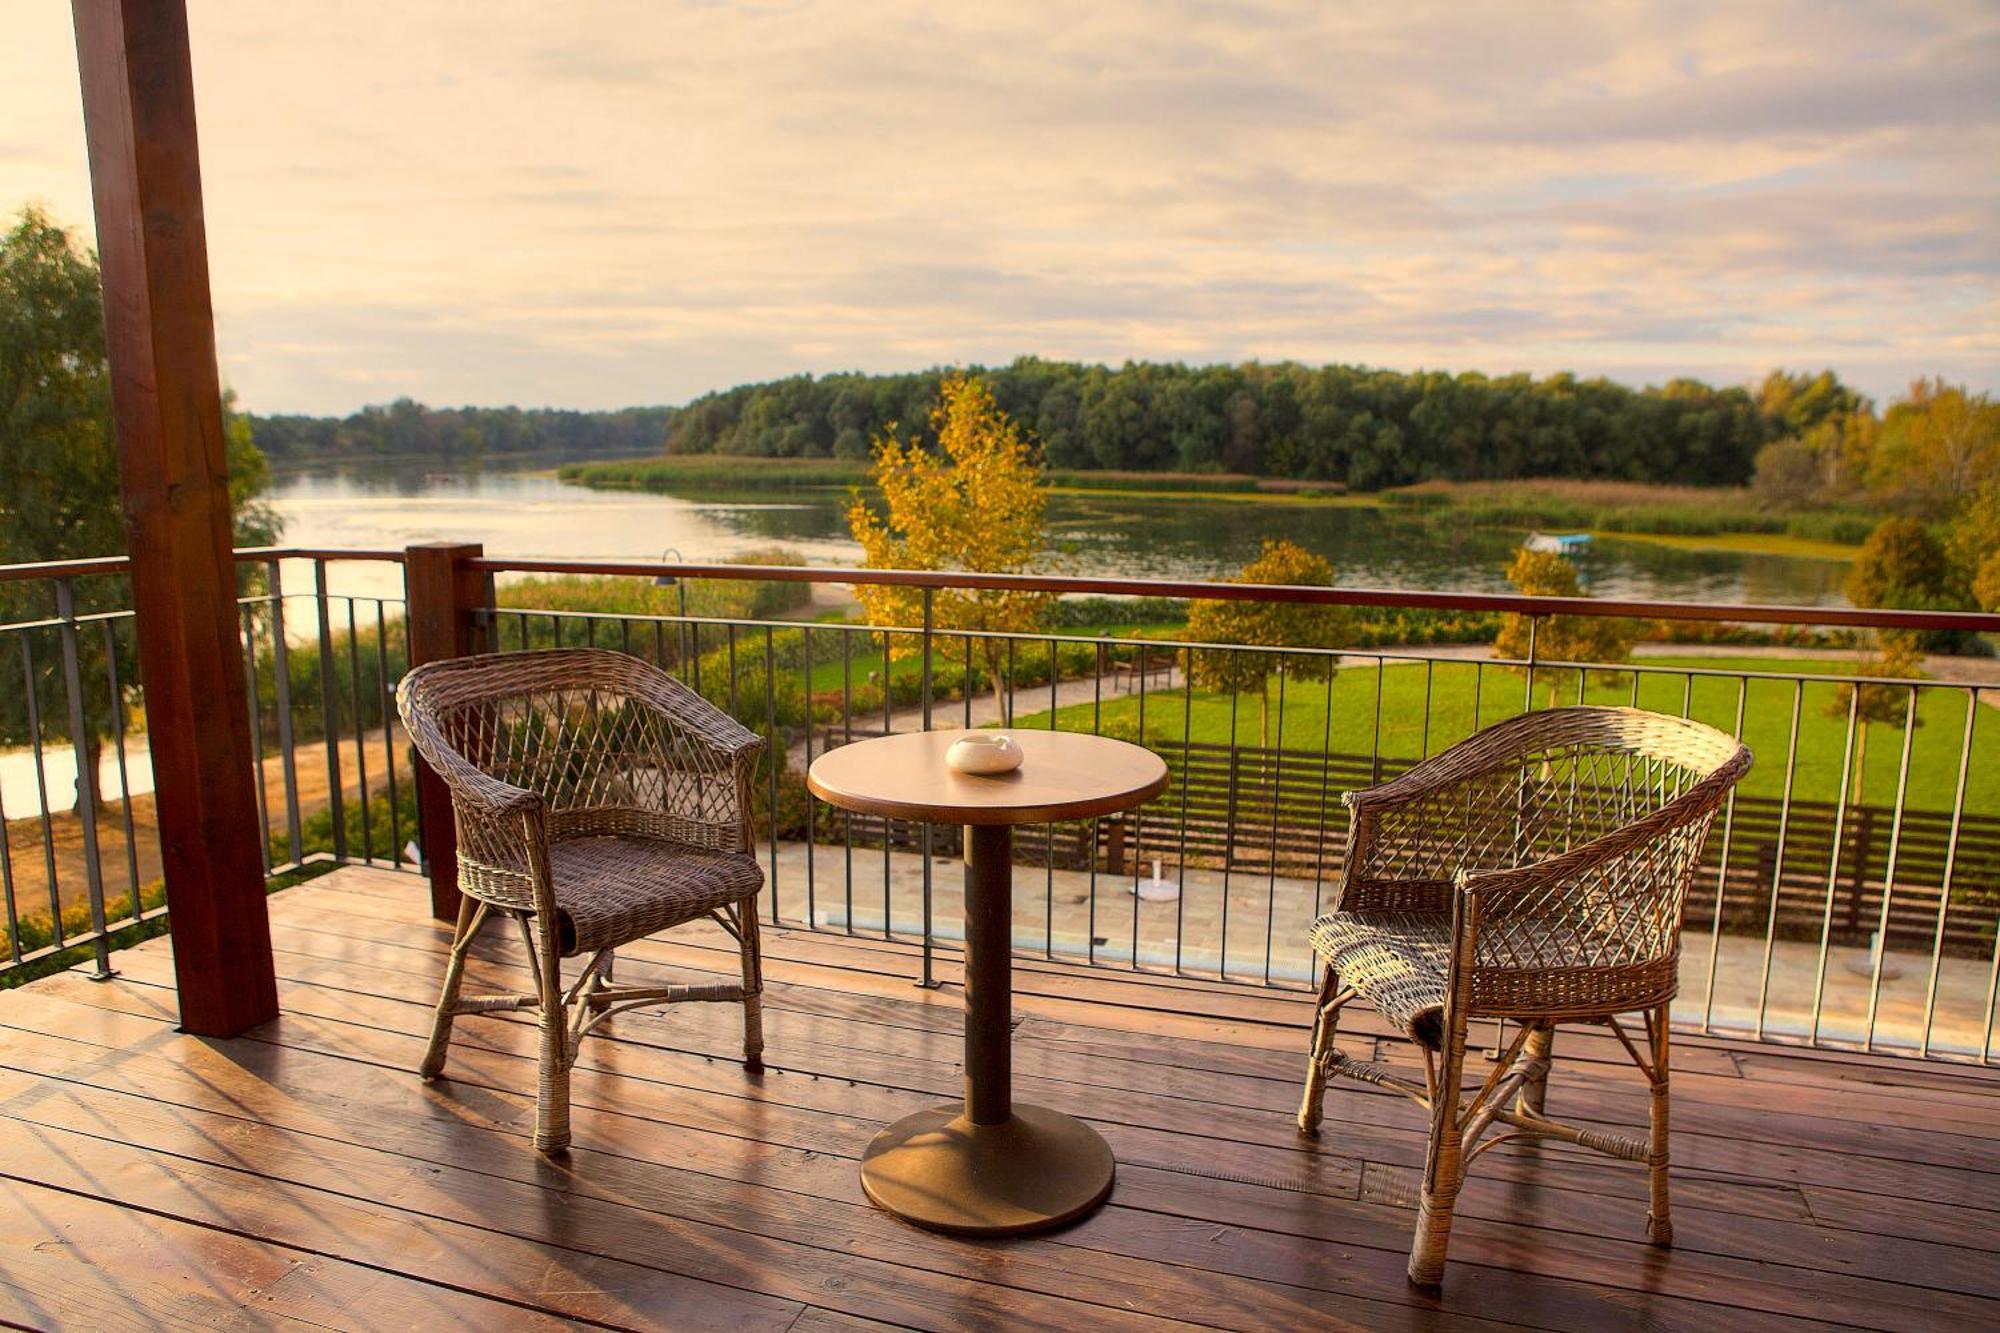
(533, 514)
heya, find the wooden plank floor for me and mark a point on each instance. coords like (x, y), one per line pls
(302, 1175)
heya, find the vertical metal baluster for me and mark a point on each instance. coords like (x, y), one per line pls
(888, 827)
(1049, 836)
(329, 712)
(1722, 872)
(1528, 690)
(812, 806)
(1478, 691)
(1187, 765)
(1375, 736)
(660, 651)
(625, 635)
(1325, 791)
(281, 680)
(387, 704)
(1229, 822)
(1430, 703)
(1049, 843)
(847, 738)
(927, 980)
(734, 702)
(360, 734)
(86, 777)
(774, 757)
(929, 635)
(1139, 815)
(1881, 940)
(1833, 861)
(124, 771)
(965, 685)
(249, 614)
(1687, 695)
(1778, 864)
(1944, 885)
(1096, 826)
(1277, 802)
(691, 636)
(41, 788)
(7, 885)
(1008, 697)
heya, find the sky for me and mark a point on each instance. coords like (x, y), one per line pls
(599, 204)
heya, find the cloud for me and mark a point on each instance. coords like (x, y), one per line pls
(618, 202)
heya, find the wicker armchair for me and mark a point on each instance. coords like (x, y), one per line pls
(597, 800)
(1533, 872)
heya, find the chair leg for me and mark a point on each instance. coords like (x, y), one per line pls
(1659, 1219)
(753, 985)
(552, 1096)
(1325, 1024)
(1444, 1165)
(1539, 1047)
(471, 916)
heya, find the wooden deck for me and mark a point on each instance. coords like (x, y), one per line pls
(303, 1175)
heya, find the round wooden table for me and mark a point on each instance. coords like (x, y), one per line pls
(989, 1166)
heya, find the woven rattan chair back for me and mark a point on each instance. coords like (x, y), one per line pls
(1610, 807)
(611, 744)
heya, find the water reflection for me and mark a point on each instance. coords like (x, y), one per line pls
(534, 514)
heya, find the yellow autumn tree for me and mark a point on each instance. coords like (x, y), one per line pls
(1558, 638)
(975, 504)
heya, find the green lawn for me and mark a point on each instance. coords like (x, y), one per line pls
(1456, 689)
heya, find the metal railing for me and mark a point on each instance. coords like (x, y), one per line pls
(80, 861)
(1828, 913)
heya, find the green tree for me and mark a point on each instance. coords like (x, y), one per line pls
(1904, 565)
(59, 487)
(1795, 403)
(1266, 625)
(974, 505)
(1560, 638)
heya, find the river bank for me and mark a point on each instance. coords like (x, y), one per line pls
(1684, 517)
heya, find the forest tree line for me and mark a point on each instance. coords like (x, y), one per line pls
(1363, 427)
(409, 428)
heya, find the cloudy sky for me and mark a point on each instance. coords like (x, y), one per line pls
(597, 204)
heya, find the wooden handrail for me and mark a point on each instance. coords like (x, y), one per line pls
(1880, 618)
(1858, 617)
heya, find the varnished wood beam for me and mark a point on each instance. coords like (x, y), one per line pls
(138, 103)
(443, 595)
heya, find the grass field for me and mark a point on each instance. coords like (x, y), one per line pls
(1463, 695)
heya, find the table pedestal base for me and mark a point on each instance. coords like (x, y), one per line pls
(1039, 1168)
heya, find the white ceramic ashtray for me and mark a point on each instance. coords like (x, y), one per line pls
(983, 752)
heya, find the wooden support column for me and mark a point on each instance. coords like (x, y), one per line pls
(444, 596)
(138, 110)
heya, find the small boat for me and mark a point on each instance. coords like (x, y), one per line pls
(1558, 543)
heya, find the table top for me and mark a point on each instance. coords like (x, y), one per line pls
(1063, 775)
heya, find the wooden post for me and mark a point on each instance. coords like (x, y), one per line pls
(138, 111)
(444, 596)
